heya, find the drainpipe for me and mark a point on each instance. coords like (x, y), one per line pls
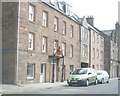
(18, 42)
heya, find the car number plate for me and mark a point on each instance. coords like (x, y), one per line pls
(74, 81)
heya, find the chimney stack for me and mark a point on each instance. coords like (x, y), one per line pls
(90, 20)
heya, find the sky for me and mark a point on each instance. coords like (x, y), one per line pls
(104, 12)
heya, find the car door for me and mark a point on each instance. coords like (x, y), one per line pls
(90, 75)
(93, 76)
(106, 76)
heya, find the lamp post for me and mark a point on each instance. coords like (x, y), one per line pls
(62, 69)
(60, 53)
(53, 67)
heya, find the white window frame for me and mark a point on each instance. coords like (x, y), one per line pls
(71, 51)
(102, 43)
(86, 50)
(86, 33)
(55, 24)
(55, 45)
(31, 41)
(44, 44)
(31, 13)
(97, 53)
(97, 38)
(60, 6)
(71, 31)
(64, 49)
(52, 2)
(33, 70)
(64, 28)
(93, 52)
(83, 49)
(101, 55)
(45, 18)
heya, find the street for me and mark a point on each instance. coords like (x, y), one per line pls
(110, 88)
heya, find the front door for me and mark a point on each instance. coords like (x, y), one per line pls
(42, 73)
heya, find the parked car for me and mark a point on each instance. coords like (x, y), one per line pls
(102, 76)
(82, 76)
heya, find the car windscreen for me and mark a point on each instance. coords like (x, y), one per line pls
(79, 71)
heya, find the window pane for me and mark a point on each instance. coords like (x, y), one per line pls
(64, 49)
(71, 31)
(83, 49)
(97, 53)
(55, 24)
(31, 13)
(44, 44)
(55, 45)
(30, 71)
(71, 51)
(44, 18)
(64, 28)
(31, 41)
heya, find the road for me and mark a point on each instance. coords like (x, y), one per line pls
(110, 88)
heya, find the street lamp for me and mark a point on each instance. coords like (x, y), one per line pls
(53, 66)
(60, 53)
(62, 69)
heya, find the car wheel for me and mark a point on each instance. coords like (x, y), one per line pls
(96, 82)
(102, 81)
(87, 82)
(70, 84)
(108, 81)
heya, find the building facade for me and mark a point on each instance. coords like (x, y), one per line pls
(45, 42)
(32, 34)
(96, 49)
(92, 45)
(84, 42)
(118, 31)
(111, 56)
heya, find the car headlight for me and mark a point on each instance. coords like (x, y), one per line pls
(69, 78)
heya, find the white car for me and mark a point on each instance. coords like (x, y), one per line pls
(102, 76)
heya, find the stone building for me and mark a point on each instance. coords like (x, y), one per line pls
(118, 31)
(112, 49)
(96, 48)
(111, 56)
(40, 42)
(45, 41)
(92, 45)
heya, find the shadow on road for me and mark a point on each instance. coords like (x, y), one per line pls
(75, 85)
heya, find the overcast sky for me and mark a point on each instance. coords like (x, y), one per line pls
(105, 12)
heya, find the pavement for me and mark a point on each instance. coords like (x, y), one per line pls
(9, 88)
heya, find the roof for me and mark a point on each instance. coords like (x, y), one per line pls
(108, 32)
(62, 7)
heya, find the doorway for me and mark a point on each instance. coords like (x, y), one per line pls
(42, 72)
